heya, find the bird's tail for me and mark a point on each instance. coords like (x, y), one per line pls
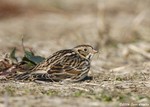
(28, 76)
(17, 76)
(23, 77)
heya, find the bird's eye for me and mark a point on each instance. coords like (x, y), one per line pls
(85, 49)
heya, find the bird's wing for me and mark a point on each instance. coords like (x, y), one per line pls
(70, 67)
(51, 60)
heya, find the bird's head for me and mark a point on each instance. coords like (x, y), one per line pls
(85, 51)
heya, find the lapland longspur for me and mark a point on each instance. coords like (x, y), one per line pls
(69, 64)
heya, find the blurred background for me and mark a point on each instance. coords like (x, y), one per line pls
(58, 24)
(67, 23)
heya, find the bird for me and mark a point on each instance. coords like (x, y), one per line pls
(70, 65)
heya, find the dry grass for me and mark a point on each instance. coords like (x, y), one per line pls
(118, 29)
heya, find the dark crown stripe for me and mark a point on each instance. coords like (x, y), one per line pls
(83, 46)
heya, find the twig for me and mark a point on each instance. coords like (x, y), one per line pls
(22, 40)
(139, 51)
(93, 84)
(81, 89)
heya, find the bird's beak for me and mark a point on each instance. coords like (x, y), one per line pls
(95, 51)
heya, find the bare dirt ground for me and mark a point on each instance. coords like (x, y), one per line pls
(119, 29)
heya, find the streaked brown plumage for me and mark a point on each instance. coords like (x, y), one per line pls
(69, 64)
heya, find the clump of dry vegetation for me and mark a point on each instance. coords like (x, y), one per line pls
(118, 29)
